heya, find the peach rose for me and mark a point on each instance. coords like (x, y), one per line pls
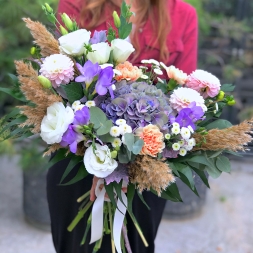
(153, 140)
(128, 72)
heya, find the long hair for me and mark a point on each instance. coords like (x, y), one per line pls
(154, 10)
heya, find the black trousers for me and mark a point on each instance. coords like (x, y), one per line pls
(63, 208)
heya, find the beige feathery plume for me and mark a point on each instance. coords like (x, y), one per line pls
(42, 37)
(148, 173)
(234, 138)
(32, 89)
(52, 149)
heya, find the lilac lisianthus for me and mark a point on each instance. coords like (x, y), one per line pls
(188, 116)
(71, 138)
(104, 82)
(88, 72)
(98, 36)
(82, 116)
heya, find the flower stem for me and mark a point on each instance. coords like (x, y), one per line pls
(80, 199)
(110, 219)
(127, 244)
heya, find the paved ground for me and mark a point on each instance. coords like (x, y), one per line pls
(225, 224)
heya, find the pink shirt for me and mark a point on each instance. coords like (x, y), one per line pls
(182, 41)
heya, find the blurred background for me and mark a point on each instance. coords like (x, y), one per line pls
(219, 221)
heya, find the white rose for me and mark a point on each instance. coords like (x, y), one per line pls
(99, 161)
(101, 53)
(56, 122)
(121, 50)
(73, 43)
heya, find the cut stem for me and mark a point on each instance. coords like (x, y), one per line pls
(110, 219)
(80, 199)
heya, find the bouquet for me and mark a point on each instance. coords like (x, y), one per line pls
(89, 104)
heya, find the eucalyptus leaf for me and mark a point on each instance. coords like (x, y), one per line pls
(137, 147)
(122, 155)
(106, 138)
(129, 141)
(223, 164)
(105, 128)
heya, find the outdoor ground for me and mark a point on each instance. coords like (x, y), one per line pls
(225, 224)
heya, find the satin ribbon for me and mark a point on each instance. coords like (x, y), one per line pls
(97, 215)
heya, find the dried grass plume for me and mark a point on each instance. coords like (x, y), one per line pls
(148, 173)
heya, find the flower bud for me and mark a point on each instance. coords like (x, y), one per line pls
(220, 95)
(67, 21)
(231, 102)
(63, 30)
(116, 19)
(46, 83)
(114, 154)
(48, 8)
(33, 50)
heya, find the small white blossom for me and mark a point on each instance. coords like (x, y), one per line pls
(143, 67)
(176, 146)
(144, 77)
(185, 132)
(167, 136)
(182, 152)
(113, 87)
(163, 65)
(125, 129)
(181, 142)
(117, 72)
(145, 61)
(175, 124)
(192, 142)
(160, 80)
(116, 142)
(90, 103)
(115, 131)
(191, 129)
(120, 122)
(75, 104)
(105, 65)
(79, 107)
(175, 130)
(153, 61)
(188, 147)
(158, 71)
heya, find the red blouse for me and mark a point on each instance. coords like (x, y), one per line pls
(182, 41)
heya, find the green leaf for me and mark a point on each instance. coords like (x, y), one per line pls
(118, 189)
(110, 192)
(129, 141)
(74, 91)
(81, 174)
(125, 29)
(106, 138)
(173, 189)
(213, 154)
(17, 95)
(73, 162)
(142, 199)
(111, 35)
(123, 156)
(162, 86)
(138, 146)
(14, 122)
(105, 128)
(227, 87)
(166, 195)
(213, 172)
(220, 124)
(185, 170)
(188, 183)
(223, 164)
(174, 169)
(130, 196)
(59, 155)
(203, 177)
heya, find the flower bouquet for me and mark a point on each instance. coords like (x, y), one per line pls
(89, 104)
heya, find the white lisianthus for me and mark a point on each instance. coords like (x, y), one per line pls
(182, 151)
(56, 122)
(90, 103)
(125, 129)
(175, 130)
(101, 53)
(99, 162)
(115, 131)
(116, 142)
(121, 50)
(73, 43)
(120, 122)
(185, 133)
(176, 146)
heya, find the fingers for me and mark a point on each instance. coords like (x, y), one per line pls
(93, 187)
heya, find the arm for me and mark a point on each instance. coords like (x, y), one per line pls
(187, 60)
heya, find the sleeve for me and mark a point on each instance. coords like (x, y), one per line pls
(69, 7)
(187, 60)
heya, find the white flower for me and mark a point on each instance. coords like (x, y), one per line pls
(188, 147)
(176, 146)
(121, 50)
(146, 62)
(79, 107)
(153, 61)
(181, 142)
(191, 129)
(113, 87)
(191, 142)
(90, 103)
(75, 104)
(56, 122)
(175, 130)
(163, 65)
(105, 65)
(145, 77)
(167, 136)
(99, 161)
(115, 131)
(116, 142)
(185, 133)
(182, 151)
(73, 43)
(158, 71)
(120, 122)
(117, 72)
(143, 67)
(160, 80)
(125, 129)
(175, 124)
(101, 53)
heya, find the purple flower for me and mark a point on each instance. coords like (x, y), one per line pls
(82, 116)
(169, 153)
(71, 138)
(98, 37)
(88, 72)
(104, 82)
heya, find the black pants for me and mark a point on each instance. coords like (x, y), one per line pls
(63, 208)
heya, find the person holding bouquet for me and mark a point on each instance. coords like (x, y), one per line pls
(163, 30)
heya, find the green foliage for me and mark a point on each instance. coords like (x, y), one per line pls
(74, 91)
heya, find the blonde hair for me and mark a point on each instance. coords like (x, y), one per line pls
(155, 10)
